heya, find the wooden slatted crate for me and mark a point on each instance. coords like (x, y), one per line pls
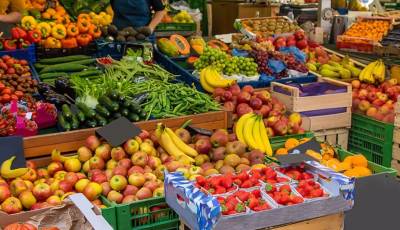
(334, 136)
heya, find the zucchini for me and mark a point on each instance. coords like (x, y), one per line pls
(124, 112)
(101, 121)
(135, 107)
(66, 112)
(112, 106)
(63, 68)
(123, 99)
(65, 126)
(127, 104)
(133, 117)
(74, 123)
(88, 73)
(59, 60)
(83, 62)
(80, 115)
(91, 123)
(39, 66)
(86, 110)
(102, 110)
(52, 75)
(114, 95)
(143, 114)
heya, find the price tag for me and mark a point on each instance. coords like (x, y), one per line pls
(12, 146)
(298, 154)
(28, 115)
(118, 131)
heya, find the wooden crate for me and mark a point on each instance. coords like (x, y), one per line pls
(42, 145)
(334, 136)
(396, 135)
(295, 103)
(397, 120)
(396, 151)
(396, 166)
(330, 222)
(331, 121)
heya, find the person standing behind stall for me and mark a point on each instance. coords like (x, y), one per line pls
(137, 13)
(10, 14)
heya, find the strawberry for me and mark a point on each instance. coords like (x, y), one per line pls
(296, 175)
(271, 175)
(240, 208)
(297, 200)
(201, 180)
(246, 184)
(254, 181)
(285, 188)
(311, 183)
(232, 212)
(211, 190)
(284, 199)
(317, 193)
(215, 181)
(282, 179)
(308, 188)
(219, 190)
(271, 181)
(302, 183)
(224, 209)
(256, 193)
(270, 188)
(237, 181)
(221, 200)
(268, 170)
(251, 203)
(307, 176)
(229, 206)
(230, 189)
(227, 182)
(242, 195)
(256, 175)
(243, 176)
(262, 206)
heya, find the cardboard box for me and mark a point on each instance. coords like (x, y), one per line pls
(77, 213)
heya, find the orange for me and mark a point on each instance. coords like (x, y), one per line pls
(291, 143)
(281, 151)
(359, 160)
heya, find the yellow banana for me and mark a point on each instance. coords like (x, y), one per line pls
(257, 134)
(180, 144)
(56, 156)
(379, 71)
(171, 148)
(203, 81)
(366, 73)
(265, 139)
(248, 132)
(215, 80)
(239, 126)
(8, 173)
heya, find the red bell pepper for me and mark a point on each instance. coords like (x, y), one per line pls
(24, 44)
(34, 36)
(10, 45)
(18, 33)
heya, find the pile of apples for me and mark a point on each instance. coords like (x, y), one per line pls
(376, 101)
(247, 100)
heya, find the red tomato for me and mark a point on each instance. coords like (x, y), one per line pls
(18, 93)
(5, 57)
(6, 98)
(14, 97)
(6, 91)
(2, 86)
(3, 66)
(11, 70)
(23, 62)
(10, 62)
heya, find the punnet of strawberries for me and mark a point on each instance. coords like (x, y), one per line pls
(219, 184)
(310, 189)
(231, 205)
(283, 194)
(297, 173)
(252, 199)
(268, 175)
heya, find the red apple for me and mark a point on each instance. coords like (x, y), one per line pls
(99, 177)
(130, 190)
(235, 89)
(71, 177)
(4, 192)
(66, 186)
(119, 170)
(41, 191)
(229, 106)
(126, 163)
(248, 88)
(152, 185)
(355, 84)
(219, 138)
(103, 151)
(129, 199)
(30, 164)
(117, 153)
(139, 158)
(92, 191)
(203, 146)
(92, 142)
(96, 162)
(144, 193)
(115, 196)
(54, 167)
(244, 97)
(84, 153)
(11, 205)
(106, 188)
(131, 146)
(256, 103)
(135, 169)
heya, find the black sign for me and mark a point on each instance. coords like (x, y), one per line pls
(118, 131)
(12, 146)
(298, 154)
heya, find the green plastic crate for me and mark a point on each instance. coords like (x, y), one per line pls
(279, 141)
(142, 215)
(162, 27)
(109, 213)
(372, 138)
(375, 168)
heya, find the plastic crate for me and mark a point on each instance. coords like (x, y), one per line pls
(112, 49)
(28, 54)
(143, 215)
(279, 141)
(184, 75)
(375, 168)
(372, 138)
(109, 213)
(162, 27)
(89, 50)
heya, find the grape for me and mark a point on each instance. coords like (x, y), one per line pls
(211, 57)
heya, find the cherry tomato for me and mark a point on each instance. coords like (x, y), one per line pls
(6, 91)
(10, 62)
(14, 97)
(3, 66)
(5, 57)
(11, 70)
(6, 98)
(18, 93)
(23, 62)
(2, 86)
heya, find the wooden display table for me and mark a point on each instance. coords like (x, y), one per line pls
(331, 222)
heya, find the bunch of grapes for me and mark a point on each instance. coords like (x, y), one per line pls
(211, 57)
(261, 58)
(294, 64)
(240, 65)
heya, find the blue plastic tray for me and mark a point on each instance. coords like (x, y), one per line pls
(185, 75)
(28, 54)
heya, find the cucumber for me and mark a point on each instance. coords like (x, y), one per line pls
(39, 66)
(65, 126)
(66, 112)
(101, 121)
(143, 114)
(74, 123)
(114, 95)
(52, 75)
(86, 110)
(83, 62)
(80, 115)
(124, 112)
(102, 110)
(122, 99)
(133, 117)
(127, 104)
(88, 73)
(91, 123)
(63, 68)
(112, 106)
(59, 60)
(135, 107)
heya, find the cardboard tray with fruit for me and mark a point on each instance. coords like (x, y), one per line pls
(205, 210)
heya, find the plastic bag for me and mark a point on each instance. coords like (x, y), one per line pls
(298, 54)
(183, 5)
(276, 66)
(46, 115)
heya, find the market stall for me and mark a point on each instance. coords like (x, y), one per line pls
(167, 129)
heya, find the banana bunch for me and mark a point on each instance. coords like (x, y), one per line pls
(211, 79)
(374, 72)
(250, 129)
(174, 146)
(8, 173)
(56, 156)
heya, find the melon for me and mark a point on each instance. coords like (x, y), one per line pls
(167, 47)
(180, 43)
(198, 44)
(217, 44)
